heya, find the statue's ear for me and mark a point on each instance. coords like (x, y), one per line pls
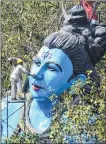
(80, 77)
(72, 81)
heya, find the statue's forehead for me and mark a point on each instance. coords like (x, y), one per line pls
(44, 53)
(52, 54)
(56, 55)
(42, 50)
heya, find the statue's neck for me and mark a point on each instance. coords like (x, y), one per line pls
(45, 106)
(39, 115)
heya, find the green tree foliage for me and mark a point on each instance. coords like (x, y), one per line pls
(26, 24)
(24, 138)
(72, 119)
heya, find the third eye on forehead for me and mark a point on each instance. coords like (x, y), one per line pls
(47, 55)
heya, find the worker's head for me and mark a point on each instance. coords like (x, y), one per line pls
(19, 61)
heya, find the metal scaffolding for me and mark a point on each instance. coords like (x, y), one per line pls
(7, 106)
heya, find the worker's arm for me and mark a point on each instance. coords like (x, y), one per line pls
(23, 69)
(12, 59)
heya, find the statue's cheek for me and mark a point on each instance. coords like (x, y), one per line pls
(53, 79)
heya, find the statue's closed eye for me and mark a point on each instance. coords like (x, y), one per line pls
(51, 68)
(38, 63)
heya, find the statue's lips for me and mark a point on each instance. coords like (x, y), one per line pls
(36, 87)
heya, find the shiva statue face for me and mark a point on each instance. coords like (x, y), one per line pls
(51, 71)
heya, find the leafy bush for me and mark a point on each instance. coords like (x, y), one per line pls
(27, 24)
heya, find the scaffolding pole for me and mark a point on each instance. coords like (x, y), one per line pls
(17, 101)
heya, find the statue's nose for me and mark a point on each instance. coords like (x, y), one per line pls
(38, 73)
(38, 76)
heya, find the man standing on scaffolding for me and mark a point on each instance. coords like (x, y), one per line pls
(16, 77)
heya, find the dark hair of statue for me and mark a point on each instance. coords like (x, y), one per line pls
(73, 45)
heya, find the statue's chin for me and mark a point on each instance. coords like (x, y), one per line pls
(38, 98)
(36, 95)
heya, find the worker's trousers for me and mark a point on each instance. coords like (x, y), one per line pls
(19, 86)
(13, 88)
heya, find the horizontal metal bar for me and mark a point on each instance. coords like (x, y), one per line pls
(17, 101)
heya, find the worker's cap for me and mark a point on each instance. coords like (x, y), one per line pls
(19, 61)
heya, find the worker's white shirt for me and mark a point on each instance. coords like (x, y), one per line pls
(17, 72)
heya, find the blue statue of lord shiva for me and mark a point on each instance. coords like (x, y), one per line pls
(64, 58)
